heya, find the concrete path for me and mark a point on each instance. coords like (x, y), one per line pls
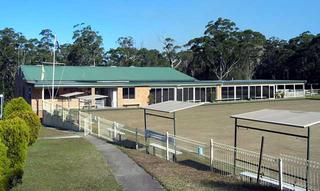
(127, 173)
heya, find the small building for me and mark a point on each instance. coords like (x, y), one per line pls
(141, 86)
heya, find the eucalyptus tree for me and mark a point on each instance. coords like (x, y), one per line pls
(87, 46)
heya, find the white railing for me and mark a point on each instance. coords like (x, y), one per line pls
(287, 171)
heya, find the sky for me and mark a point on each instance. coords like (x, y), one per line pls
(150, 21)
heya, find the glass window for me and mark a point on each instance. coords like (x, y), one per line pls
(185, 94)
(179, 94)
(258, 91)
(165, 94)
(253, 92)
(190, 94)
(128, 93)
(171, 94)
(203, 95)
(245, 92)
(239, 93)
(230, 92)
(265, 92)
(158, 95)
(271, 91)
(198, 94)
(224, 92)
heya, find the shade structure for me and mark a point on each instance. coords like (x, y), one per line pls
(72, 94)
(92, 97)
(172, 106)
(299, 119)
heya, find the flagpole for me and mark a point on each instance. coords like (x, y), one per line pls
(53, 70)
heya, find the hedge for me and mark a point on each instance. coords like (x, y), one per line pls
(15, 135)
(16, 104)
(32, 121)
(4, 167)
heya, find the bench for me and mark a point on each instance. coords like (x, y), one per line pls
(272, 181)
(131, 105)
(119, 133)
(154, 145)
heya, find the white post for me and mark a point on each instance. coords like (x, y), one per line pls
(211, 154)
(98, 126)
(294, 90)
(167, 147)
(280, 174)
(90, 123)
(114, 130)
(261, 92)
(194, 94)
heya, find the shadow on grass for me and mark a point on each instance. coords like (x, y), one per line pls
(236, 186)
(200, 166)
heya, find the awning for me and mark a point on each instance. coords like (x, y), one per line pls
(299, 119)
(172, 106)
(92, 97)
(72, 94)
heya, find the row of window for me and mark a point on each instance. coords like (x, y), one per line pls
(247, 92)
(204, 94)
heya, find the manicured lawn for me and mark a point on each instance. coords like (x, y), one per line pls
(213, 122)
(176, 177)
(65, 164)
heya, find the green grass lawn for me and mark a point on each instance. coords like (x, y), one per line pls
(68, 164)
(176, 177)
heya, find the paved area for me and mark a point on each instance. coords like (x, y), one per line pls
(128, 174)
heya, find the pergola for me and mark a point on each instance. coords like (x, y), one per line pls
(291, 119)
(70, 95)
(90, 98)
(168, 107)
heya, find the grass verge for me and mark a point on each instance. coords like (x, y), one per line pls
(65, 164)
(178, 177)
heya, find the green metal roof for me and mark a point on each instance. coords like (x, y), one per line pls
(103, 73)
(102, 76)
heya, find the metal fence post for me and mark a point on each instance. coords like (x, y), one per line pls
(90, 123)
(280, 173)
(137, 144)
(211, 154)
(167, 147)
(260, 160)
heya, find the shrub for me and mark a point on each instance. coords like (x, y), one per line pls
(4, 167)
(15, 135)
(16, 104)
(32, 121)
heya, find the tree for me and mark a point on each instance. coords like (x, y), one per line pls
(218, 51)
(87, 46)
(251, 49)
(170, 52)
(10, 43)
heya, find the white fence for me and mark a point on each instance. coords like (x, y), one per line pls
(285, 171)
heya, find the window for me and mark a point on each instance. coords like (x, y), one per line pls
(128, 93)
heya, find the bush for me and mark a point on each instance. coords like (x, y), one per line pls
(16, 104)
(4, 167)
(15, 135)
(33, 122)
